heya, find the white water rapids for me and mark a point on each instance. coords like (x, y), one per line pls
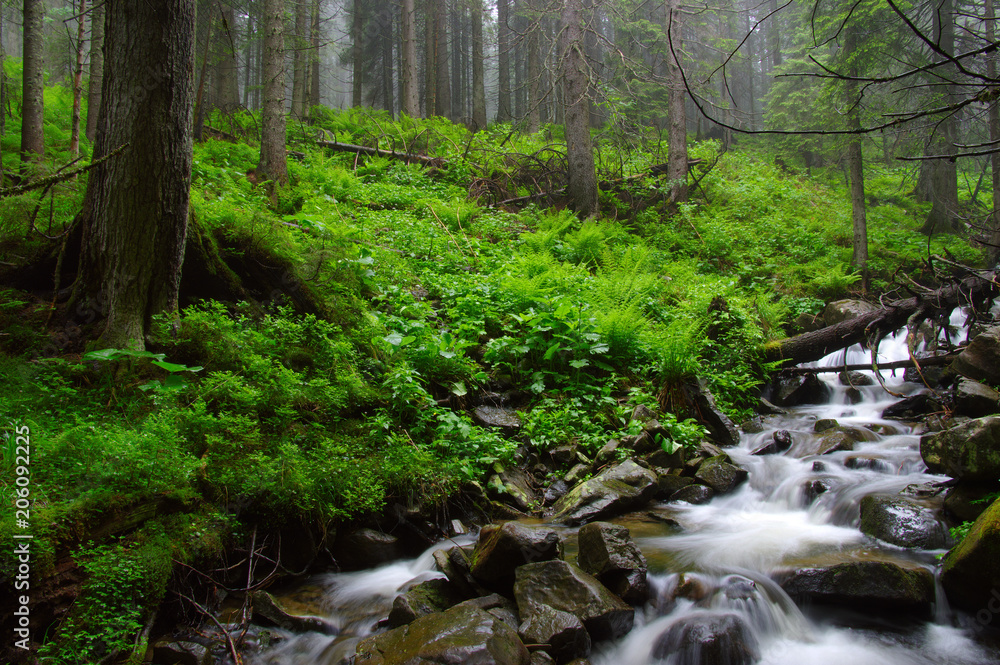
(739, 541)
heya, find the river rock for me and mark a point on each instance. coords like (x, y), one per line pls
(853, 378)
(541, 658)
(563, 455)
(865, 585)
(365, 547)
(971, 571)
(424, 598)
(619, 489)
(668, 483)
(975, 400)
(608, 452)
(454, 637)
(870, 462)
(512, 486)
(912, 407)
(565, 587)
(608, 553)
(694, 494)
(707, 639)
(813, 488)
(502, 548)
(494, 416)
(275, 612)
(779, 442)
(981, 359)
(720, 427)
(845, 310)
(554, 491)
(964, 501)
(970, 451)
(562, 632)
(841, 439)
(901, 521)
(798, 390)
(455, 564)
(576, 474)
(663, 459)
(181, 653)
(720, 475)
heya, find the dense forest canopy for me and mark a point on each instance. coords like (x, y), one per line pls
(273, 268)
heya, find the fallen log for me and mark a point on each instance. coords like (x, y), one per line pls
(930, 361)
(870, 328)
(408, 157)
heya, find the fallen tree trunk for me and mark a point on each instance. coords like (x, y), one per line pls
(871, 328)
(408, 157)
(930, 361)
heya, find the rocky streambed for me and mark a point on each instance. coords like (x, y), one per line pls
(814, 534)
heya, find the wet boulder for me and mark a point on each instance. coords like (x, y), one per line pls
(779, 442)
(798, 390)
(720, 475)
(512, 486)
(608, 553)
(554, 491)
(912, 407)
(423, 598)
(505, 419)
(901, 521)
(865, 585)
(720, 427)
(608, 452)
(813, 488)
(963, 502)
(707, 638)
(365, 547)
(869, 462)
(181, 653)
(975, 400)
(268, 608)
(694, 494)
(854, 378)
(562, 586)
(454, 563)
(970, 574)
(969, 452)
(834, 441)
(502, 548)
(617, 490)
(453, 637)
(563, 633)
(668, 483)
(981, 359)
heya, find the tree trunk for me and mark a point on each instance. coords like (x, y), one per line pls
(993, 119)
(314, 60)
(225, 93)
(582, 185)
(943, 216)
(273, 164)
(299, 60)
(442, 96)
(410, 103)
(96, 68)
(81, 34)
(357, 25)
(677, 156)
(859, 257)
(33, 109)
(388, 98)
(533, 112)
(3, 94)
(478, 77)
(430, 58)
(503, 60)
(136, 208)
(248, 62)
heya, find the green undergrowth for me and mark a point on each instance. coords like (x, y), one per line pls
(256, 414)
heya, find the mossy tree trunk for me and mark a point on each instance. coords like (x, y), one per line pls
(33, 106)
(582, 181)
(273, 163)
(135, 211)
(96, 68)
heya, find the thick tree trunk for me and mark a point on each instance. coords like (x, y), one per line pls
(136, 208)
(478, 77)
(876, 325)
(859, 257)
(503, 60)
(299, 60)
(273, 163)
(248, 61)
(388, 99)
(430, 59)
(410, 103)
(442, 95)
(582, 184)
(357, 80)
(96, 68)
(943, 216)
(81, 35)
(677, 157)
(533, 112)
(33, 108)
(3, 94)
(314, 61)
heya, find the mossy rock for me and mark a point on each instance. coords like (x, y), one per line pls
(971, 570)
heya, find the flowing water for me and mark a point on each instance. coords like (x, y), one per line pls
(725, 553)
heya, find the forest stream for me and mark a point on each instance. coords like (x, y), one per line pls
(710, 563)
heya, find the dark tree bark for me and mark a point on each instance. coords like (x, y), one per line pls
(136, 208)
(357, 80)
(3, 92)
(388, 98)
(677, 157)
(478, 77)
(273, 163)
(249, 61)
(582, 183)
(503, 60)
(81, 33)
(410, 102)
(855, 161)
(442, 95)
(96, 68)
(993, 119)
(314, 86)
(33, 110)
(943, 216)
(225, 89)
(533, 114)
(299, 60)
